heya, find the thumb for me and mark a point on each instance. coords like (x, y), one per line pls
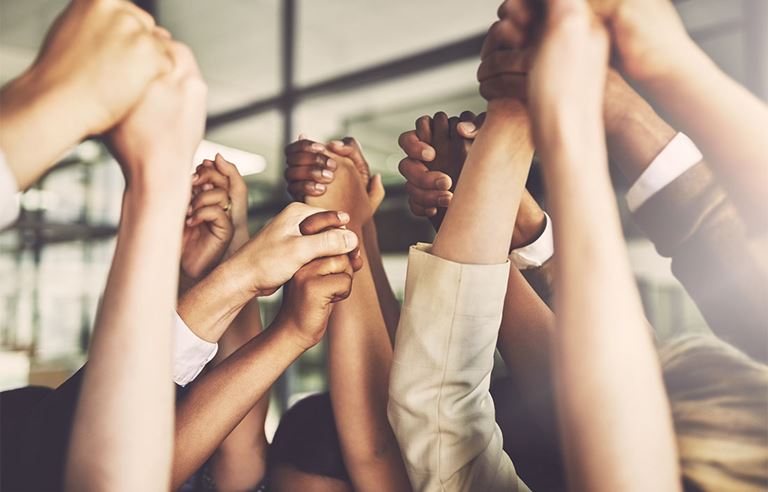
(332, 242)
(376, 192)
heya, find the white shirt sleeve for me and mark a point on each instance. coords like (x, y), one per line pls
(439, 405)
(538, 252)
(678, 156)
(190, 353)
(9, 194)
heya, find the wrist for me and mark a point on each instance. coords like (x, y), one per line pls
(292, 334)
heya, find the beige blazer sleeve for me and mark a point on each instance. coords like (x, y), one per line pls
(439, 405)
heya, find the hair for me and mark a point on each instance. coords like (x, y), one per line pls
(719, 402)
(306, 439)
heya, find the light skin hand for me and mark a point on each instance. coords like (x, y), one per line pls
(262, 265)
(95, 65)
(590, 356)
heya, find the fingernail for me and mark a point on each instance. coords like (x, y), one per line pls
(316, 147)
(195, 177)
(327, 174)
(189, 221)
(350, 239)
(207, 187)
(319, 187)
(357, 254)
(337, 143)
(428, 154)
(444, 201)
(343, 217)
(466, 127)
(331, 164)
(189, 210)
(443, 183)
(431, 212)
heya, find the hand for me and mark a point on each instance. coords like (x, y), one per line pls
(104, 54)
(308, 297)
(209, 227)
(430, 186)
(156, 142)
(567, 77)
(506, 59)
(220, 173)
(431, 174)
(276, 253)
(312, 167)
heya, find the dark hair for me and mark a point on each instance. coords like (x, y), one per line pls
(307, 439)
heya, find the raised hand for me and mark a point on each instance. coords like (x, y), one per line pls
(209, 228)
(280, 249)
(156, 142)
(313, 166)
(309, 295)
(220, 173)
(105, 53)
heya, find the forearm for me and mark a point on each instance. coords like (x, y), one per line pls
(527, 329)
(390, 308)
(211, 306)
(615, 366)
(240, 461)
(126, 404)
(360, 357)
(37, 127)
(477, 229)
(726, 121)
(219, 400)
(635, 133)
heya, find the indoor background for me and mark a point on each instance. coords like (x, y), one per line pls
(274, 68)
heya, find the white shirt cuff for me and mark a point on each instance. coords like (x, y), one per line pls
(9, 194)
(678, 156)
(538, 252)
(190, 353)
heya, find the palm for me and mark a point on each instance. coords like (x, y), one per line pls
(202, 247)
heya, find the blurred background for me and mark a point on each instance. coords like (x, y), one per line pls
(275, 68)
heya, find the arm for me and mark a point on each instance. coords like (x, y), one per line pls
(126, 402)
(390, 307)
(95, 64)
(439, 404)
(220, 399)
(360, 355)
(605, 377)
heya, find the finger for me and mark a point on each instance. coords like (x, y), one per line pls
(424, 129)
(321, 221)
(327, 243)
(216, 196)
(439, 127)
(521, 12)
(356, 259)
(420, 211)
(309, 159)
(214, 215)
(300, 189)
(415, 148)
(230, 170)
(315, 174)
(419, 175)
(146, 20)
(210, 175)
(503, 34)
(452, 122)
(505, 86)
(467, 116)
(467, 128)
(502, 62)
(337, 287)
(428, 198)
(331, 265)
(304, 146)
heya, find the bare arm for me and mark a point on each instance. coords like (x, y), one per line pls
(390, 308)
(125, 409)
(605, 366)
(360, 356)
(240, 461)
